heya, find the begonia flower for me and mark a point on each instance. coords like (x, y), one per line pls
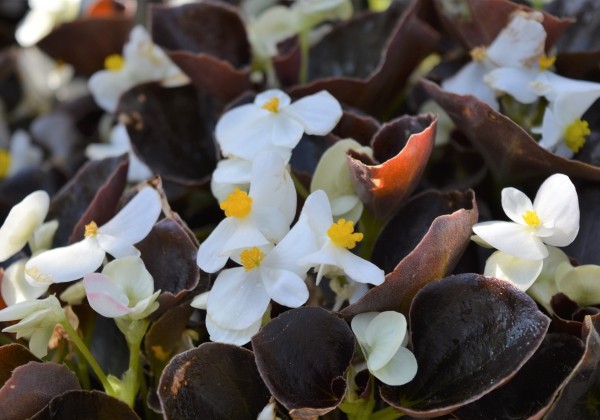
(334, 242)
(552, 219)
(333, 176)
(124, 288)
(272, 121)
(116, 237)
(581, 284)
(544, 286)
(256, 218)
(382, 338)
(22, 153)
(37, 321)
(520, 272)
(42, 17)
(142, 61)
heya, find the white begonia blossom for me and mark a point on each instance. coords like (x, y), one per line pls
(544, 286)
(257, 218)
(269, 28)
(552, 219)
(382, 338)
(120, 143)
(116, 237)
(518, 45)
(334, 242)
(520, 272)
(42, 17)
(333, 176)
(23, 153)
(124, 288)
(37, 321)
(15, 289)
(142, 61)
(273, 122)
(581, 284)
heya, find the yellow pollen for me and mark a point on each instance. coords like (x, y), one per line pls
(114, 62)
(342, 234)
(531, 218)
(478, 54)
(575, 134)
(4, 163)
(91, 229)
(237, 204)
(251, 258)
(272, 105)
(546, 62)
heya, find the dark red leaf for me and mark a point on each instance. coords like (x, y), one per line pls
(91, 405)
(11, 357)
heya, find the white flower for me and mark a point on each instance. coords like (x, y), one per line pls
(142, 61)
(334, 242)
(42, 17)
(382, 338)
(23, 153)
(333, 176)
(15, 288)
(581, 284)
(269, 28)
(519, 271)
(272, 122)
(257, 218)
(124, 288)
(552, 219)
(38, 319)
(120, 143)
(544, 286)
(117, 237)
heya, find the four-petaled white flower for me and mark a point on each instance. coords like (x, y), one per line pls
(124, 288)
(552, 219)
(382, 338)
(117, 237)
(257, 218)
(273, 122)
(142, 61)
(38, 319)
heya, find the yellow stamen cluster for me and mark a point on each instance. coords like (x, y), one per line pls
(272, 105)
(114, 62)
(4, 163)
(531, 218)
(251, 258)
(342, 234)
(575, 134)
(237, 204)
(91, 229)
(546, 62)
(478, 54)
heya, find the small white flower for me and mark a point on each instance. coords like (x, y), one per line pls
(272, 122)
(334, 242)
(333, 176)
(117, 237)
(552, 219)
(23, 153)
(124, 288)
(257, 218)
(42, 17)
(38, 319)
(382, 338)
(142, 61)
(269, 28)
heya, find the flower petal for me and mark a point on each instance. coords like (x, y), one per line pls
(514, 81)
(105, 297)
(515, 204)
(132, 277)
(211, 257)
(469, 81)
(15, 288)
(318, 113)
(401, 369)
(107, 88)
(246, 235)
(520, 272)
(512, 238)
(359, 325)
(581, 284)
(284, 287)
(384, 336)
(237, 337)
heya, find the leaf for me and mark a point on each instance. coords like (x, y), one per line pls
(32, 386)
(470, 335)
(302, 356)
(216, 381)
(403, 146)
(511, 154)
(94, 405)
(11, 357)
(440, 226)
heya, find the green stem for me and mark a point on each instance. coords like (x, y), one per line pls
(370, 227)
(388, 413)
(134, 331)
(304, 47)
(300, 189)
(83, 349)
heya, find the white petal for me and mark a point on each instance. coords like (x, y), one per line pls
(246, 235)
(522, 273)
(131, 276)
(233, 171)
(200, 301)
(284, 287)
(317, 210)
(469, 81)
(384, 335)
(284, 131)
(318, 113)
(105, 297)
(108, 86)
(264, 97)
(23, 309)
(238, 298)
(359, 269)
(515, 204)
(581, 284)
(15, 288)
(65, 264)
(515, 82)
(557, 203)
(401, 369)
(552, 130)
(544, 286)
(21, 222)
(211, 257)
(570, 105)
(38, 343)
(512, 238)
(359, 325)
(231, 336)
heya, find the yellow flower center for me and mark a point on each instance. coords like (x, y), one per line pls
(272, 105)
(238, 204)
(575, 134)
(478, 54)
(546, 62)
(531, 218)
(342, 234)
(114, 62)
(251, 258)
(91, 229)
(4, 163)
